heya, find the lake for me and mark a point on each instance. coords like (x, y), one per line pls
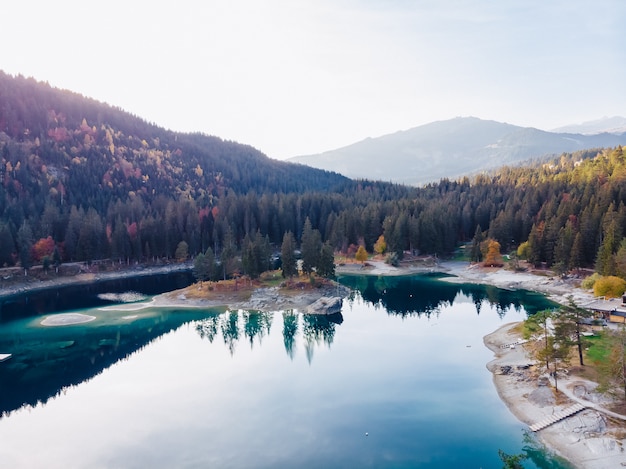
(396, 380)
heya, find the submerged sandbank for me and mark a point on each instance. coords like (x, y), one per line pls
(66, 319)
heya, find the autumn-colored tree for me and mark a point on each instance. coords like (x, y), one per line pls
(361, 254)
(609, 286)
(523, 250)
(381, 245)
(493, 258)
(42, 248)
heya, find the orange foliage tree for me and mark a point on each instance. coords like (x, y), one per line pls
(42, 248)
(493, 258)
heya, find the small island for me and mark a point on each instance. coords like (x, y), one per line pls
(270, 292)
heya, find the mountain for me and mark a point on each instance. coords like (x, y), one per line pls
(611, 125)
(84, 181)
(449, 149)
(96, 152)
(91, 181)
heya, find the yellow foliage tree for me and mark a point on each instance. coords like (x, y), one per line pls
(381, 245)
(523, 250)
(361, 254)
(610, 287)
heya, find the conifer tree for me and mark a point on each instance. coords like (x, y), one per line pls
(476, 252)
(200, 271)
(289, 266)
(310, 247)
(25, 243)
(7, 246)
(326, 266)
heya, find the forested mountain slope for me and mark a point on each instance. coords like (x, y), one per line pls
(80, 180)
(450, 149)
(95, 146)
(60, 151)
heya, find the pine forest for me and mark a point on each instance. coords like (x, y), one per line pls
(83, 181)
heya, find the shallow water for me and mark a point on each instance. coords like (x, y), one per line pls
(397, 380)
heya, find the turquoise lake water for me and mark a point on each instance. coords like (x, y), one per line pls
(397, 380)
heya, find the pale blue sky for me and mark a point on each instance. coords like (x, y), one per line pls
(296, 77)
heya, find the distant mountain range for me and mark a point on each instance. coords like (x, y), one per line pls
(611, 125)
(453, 148)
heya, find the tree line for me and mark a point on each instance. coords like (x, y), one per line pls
(568, 214)
(81, 180)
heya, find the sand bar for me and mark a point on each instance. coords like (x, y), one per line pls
(66, 319)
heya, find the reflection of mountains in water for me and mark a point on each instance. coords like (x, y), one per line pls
(425, 294)
(45, 360)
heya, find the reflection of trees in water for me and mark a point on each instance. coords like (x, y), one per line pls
(229, 325)
(290, 329)
(318, 330)
(405, 296)
(426, 295)
(207, 328)
(256, 324)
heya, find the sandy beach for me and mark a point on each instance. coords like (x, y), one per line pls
(590, 439)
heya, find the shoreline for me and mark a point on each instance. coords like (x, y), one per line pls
(588, 440)
(85, 278)
(556, 289)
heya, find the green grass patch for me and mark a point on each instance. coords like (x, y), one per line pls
(529, 327)
(597, 348)
(462, 253)
(272, 278)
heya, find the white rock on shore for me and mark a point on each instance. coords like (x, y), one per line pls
(325, 305)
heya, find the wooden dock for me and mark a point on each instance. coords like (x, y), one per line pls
(4, 357)
(557, 417)
(514, 344)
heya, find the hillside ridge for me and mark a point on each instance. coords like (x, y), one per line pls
(450, 149)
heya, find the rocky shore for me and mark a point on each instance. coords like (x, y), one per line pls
(590, 439)
(323, 299)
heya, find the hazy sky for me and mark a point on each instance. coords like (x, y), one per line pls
(293, 77)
